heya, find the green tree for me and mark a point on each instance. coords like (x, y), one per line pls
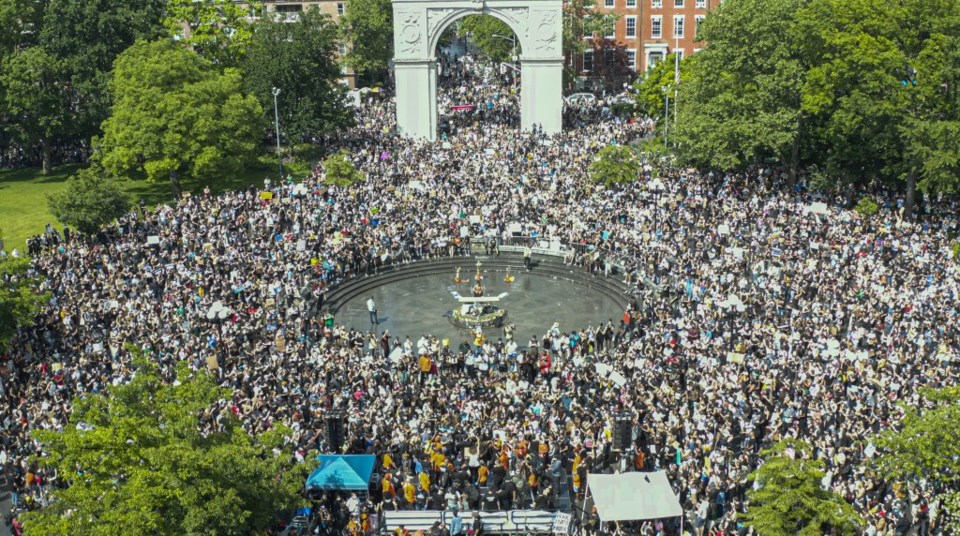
(789, 499)
(55, 59)
(174, 115)
(138, 462)
(90, 200)
(340, 171)
(20, 301)
(483, 30)
(883, 90)
(19, 19)
(86, 36)
(34, 98)
(298, 57)
(924, 446)
(615, 164)
(218, 30)
(367, 25)
(741, 103)
(657, 83)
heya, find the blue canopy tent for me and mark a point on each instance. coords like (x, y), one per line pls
(342, 472)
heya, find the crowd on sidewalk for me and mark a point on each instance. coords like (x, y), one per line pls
(754, 318)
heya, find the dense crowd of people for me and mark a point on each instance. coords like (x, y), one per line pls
(753, 318)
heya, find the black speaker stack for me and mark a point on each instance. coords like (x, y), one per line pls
(336, 430)
(623, 431)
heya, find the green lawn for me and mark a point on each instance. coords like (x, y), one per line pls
(23, 202)
(23, 195)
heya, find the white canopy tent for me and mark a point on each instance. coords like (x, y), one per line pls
(633, 496)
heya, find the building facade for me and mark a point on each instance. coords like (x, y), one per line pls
(645, 33)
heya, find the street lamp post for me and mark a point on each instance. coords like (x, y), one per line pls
(276, 123)
(666, 114)
(513, 50)
(513, 41)
(658, 187)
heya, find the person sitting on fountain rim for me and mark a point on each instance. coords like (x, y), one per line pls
(478, 290)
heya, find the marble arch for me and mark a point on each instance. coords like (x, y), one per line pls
(418, 25)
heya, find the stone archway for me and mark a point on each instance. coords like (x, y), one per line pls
(418, 24)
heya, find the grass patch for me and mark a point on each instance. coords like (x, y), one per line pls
(23, 202)
(23, 194)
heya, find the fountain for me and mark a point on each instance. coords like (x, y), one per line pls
(478, 310)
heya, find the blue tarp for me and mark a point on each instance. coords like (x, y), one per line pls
(349, 472)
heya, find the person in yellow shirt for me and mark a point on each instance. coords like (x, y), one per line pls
(576, 474)
(409, 492)
(387, 487)
(425, 481)
(388, 464)
(425, 365)
(483, 472)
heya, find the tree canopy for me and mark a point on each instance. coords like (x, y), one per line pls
(340, 171)
(924, 446)
(20, 302)
(863, 90)
(55, 59)
(173, 115)
(789, 499)
(740, 103)
(90, 200)
(218, 30)
(484, 30)
(615, 164)
(658, 82)
(368, 26)
(158, 457)
(299, 58)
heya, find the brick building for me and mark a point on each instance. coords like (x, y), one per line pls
(646, 32)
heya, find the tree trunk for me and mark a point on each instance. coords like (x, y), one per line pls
(45, 149)
(794, 162)
(175, 183)
(911, 194)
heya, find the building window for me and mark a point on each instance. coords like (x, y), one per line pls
(340, 9)
(701, 4)
(656, 4)
(697, 20)
(588, 61)
(678, 26)
(631, 25)
(609, 59)
(341, 49)
(656, 27)
(611, 31)
(677, 3)
(653, 59)
(609, 3)
(632, 59)
(631, 3)
(679, 53)
(289, 8)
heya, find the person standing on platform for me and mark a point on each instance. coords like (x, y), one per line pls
(526, 257)
(372, 309)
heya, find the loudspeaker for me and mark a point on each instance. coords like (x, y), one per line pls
(623, 432)
(336, 431)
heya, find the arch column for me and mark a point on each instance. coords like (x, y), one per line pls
(541, 94)
(416, 81)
